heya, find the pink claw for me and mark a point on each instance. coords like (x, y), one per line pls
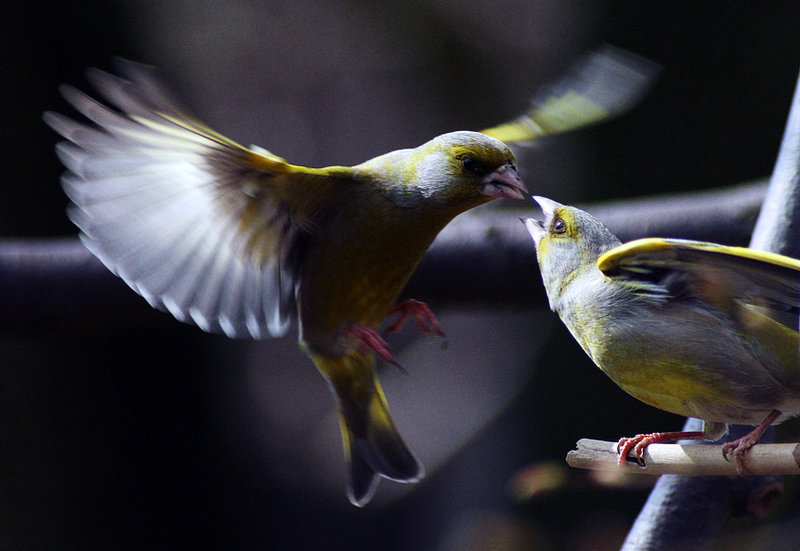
(426, 321)
(640, 442)
(371, 341)
(741, 445)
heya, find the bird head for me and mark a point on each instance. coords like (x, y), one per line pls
(476, 165)
(454, 172)
(568, 242)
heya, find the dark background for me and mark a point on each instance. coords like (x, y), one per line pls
(160, 436)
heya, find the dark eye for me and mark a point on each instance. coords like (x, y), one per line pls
(470, 164)
(559, 226)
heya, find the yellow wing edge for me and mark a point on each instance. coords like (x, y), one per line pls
(616, 257)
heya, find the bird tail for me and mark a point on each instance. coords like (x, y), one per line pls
(372, 445)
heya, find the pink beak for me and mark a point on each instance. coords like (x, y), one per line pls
(504, 182)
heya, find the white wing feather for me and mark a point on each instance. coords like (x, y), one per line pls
(156, 206)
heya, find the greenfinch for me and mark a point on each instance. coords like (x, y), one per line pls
(693, 328)
(239, 241)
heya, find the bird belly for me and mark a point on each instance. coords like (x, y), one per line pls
(681, 388)
(355, 281)
(691, 365)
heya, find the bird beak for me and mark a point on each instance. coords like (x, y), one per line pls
(504, 182)
(548, 205)
(537, 227)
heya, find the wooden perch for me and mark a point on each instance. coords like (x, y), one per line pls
(689, 460)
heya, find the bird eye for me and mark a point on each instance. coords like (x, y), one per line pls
(559, 226)
(470, 164)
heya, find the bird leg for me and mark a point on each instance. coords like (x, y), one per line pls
(741, 445)
(426, 321)
(371, 341)
(639, 442)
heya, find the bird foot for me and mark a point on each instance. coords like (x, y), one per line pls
(371, 341)
(425, 319)
(639, 442)
(739, 446)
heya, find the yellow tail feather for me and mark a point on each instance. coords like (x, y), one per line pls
(372, 445)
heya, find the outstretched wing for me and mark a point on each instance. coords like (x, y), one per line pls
(743, 281)
(194, 222)
(603, 85)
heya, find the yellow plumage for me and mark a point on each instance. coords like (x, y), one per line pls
(697, 329)
(240, 241)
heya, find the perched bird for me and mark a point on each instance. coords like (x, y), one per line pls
(239, 241)
(693, 328)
